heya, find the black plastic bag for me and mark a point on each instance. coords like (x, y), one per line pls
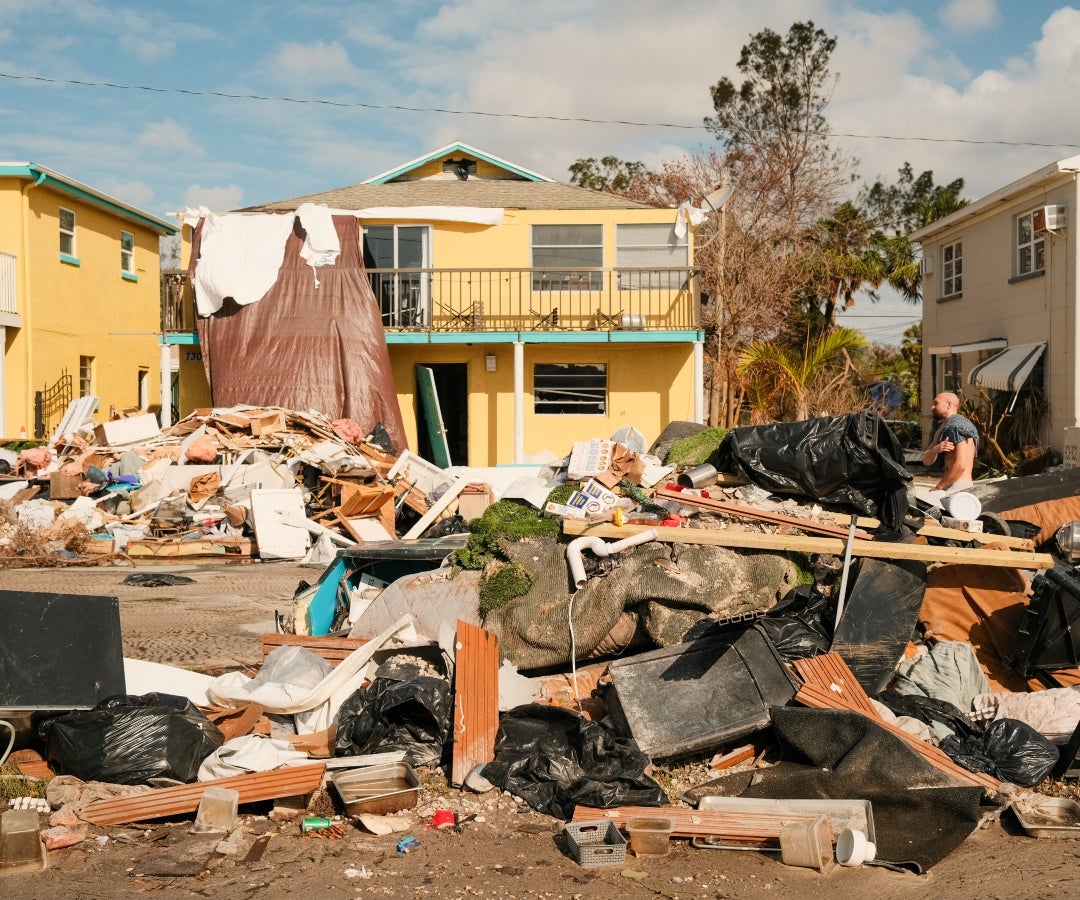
(1009, 749)
(402, 709)
(853, 460)
(131, 739)
(801, 624)
(555, 759)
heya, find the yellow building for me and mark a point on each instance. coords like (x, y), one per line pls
(523, 314)
(79, 300)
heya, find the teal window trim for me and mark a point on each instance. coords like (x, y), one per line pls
(129, 276)
(70, 260)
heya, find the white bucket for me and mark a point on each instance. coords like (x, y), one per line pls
(962, 505)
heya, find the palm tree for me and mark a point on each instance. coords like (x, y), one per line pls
(787, 374)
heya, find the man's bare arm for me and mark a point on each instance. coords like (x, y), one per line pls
(959, 462)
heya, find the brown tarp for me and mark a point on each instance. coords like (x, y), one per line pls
(302, 347)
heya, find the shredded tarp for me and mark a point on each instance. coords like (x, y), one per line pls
(304, 346)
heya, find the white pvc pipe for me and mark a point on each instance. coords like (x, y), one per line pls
(165, 388)
(601, 548)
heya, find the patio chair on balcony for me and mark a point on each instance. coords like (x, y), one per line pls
(608, 321)
(546, 321)
(469, 319)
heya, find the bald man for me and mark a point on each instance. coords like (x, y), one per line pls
(957, 440)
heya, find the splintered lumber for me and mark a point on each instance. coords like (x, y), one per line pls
(184, 798)
(332, 649)
(743, 827)
(979, 537)
(761, 515)
(834, 546)
(476, 699)
(830, 684)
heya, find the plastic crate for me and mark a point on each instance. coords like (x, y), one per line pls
(596, 842)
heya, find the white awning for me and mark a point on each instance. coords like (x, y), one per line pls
(1007, 370)
(989, 344)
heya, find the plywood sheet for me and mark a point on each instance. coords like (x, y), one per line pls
(476, 699)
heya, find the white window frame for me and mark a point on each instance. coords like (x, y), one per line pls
(127, 253)
(86, 376)
(404, 298)
(68, 234)
(952, 269)
(570, 389)
(550, 250)
(1030, 246)
(646, 254)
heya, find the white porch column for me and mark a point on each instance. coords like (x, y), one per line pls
(699, 382)
(519, 402)
(166, 386)
(3, 384)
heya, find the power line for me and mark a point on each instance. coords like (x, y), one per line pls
(584, 120)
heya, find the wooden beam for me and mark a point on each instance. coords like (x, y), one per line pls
(835, 546)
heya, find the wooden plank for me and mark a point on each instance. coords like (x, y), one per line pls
(175, 548)
(754, 827)
(761, 515)
(184, 798)
(835, 546)
(979, 537)
(476, 699)
(332, 649)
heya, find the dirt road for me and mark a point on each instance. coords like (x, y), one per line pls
(506, 851)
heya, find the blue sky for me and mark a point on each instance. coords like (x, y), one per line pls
(968, 71)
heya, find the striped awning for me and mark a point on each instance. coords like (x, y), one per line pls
(1009, 369)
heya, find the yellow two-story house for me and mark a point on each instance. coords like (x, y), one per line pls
(79, 300)
(522, 314)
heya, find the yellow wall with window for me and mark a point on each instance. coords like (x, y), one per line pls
(81, 306)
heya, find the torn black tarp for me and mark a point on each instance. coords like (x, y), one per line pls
(555, 759)
(853, 460)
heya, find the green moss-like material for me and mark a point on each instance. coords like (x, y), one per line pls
(507, 519)
(503, 585)
(696, 449)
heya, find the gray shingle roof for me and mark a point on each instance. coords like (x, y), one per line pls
(477, 192)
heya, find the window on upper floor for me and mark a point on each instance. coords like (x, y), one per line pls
(952, 269)
(652, 251)
(127, 252)
(556, 247)
(404, 296)
(1030, 246)
(569, 389)
(67, 232)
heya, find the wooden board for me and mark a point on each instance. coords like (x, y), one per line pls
(834, 546)
(476, 699)
(174, 801)
(174, 548)
(332, 649)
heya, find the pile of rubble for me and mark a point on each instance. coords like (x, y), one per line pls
(863, 681)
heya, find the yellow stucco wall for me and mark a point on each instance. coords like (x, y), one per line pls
(84, 309)
(648, 387)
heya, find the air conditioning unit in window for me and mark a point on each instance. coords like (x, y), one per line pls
(1048, 218)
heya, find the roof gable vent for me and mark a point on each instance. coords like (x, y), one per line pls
(460, 168)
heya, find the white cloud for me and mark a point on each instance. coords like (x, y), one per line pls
(308, 65)
(970, 15)
(147, 49)
(137, 193)
(169, 137)
(217, 199)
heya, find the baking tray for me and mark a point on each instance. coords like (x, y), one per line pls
(854, 814)
(377, 790)
(1052, 817)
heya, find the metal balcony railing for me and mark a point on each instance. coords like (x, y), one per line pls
(661, 299)
(479, 300)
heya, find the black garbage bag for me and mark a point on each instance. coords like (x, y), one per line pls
(555, 759)
(801, 624)
(854, 460)
(130, 739)
(1009, 749)
(157, 579)
(929, 710)
(404, 708)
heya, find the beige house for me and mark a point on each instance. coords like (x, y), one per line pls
(1000, 299)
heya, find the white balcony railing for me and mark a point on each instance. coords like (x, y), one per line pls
(8, 300)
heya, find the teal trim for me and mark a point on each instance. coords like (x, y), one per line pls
(543, 337)
(129, 276)
(445, 151)
(70, 260)
(57, 182)
(179, 339)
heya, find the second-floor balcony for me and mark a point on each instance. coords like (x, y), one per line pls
(508, 300)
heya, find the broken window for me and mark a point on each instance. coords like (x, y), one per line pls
(568, 389)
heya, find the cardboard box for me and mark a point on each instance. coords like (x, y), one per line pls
(268, 422)
(473, 500)
(63, 486)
